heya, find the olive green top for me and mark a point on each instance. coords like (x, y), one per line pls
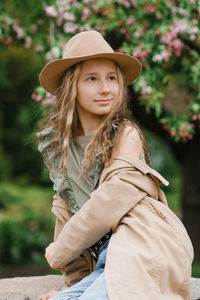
(73, 186)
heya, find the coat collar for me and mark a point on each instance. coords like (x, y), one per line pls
(137, 173)
(129, 163)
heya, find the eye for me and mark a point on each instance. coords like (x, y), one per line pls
(91, 78)
(112, 77)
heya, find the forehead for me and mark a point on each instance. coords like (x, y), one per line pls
(98, 64)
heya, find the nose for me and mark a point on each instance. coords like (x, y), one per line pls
(104, 87)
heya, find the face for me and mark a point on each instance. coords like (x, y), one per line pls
(97, 87)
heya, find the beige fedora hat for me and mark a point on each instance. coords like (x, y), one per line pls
(87, 45)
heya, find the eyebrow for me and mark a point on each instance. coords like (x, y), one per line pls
(96, 73)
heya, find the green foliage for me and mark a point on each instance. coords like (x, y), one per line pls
(163, 160)
(18, 152)
(164, 35)
(20, 243)
(18, 199)
(17, 8)
(196, 268)
(26, 224)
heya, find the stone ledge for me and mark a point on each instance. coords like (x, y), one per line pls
(15, 296)
(30, 288)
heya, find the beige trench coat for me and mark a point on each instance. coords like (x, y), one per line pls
(149, 255)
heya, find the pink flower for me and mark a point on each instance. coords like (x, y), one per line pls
(136, 52)
(49, 100)
(143, 53)
(126, 3)
(181, 133)
(128, 37)
(8, 22)
(172, 132)
(143, 83)
(123, 30)
(28, 42)
(166, 55)
(137, 34)
(8, 40)
(178, 52)
(166, 38)
(194, 22)
(173, 34)
(157, 58)
(194, 118)
(192, 37)
(146, 90)
(39, 48)
(176, 44)
(159, 16)
(50, 11)
(20, 33)
(69, 17)
(129, 21)
(59, 20)
(70, 27)
(33, 28)
(15, 27)
(38, 97)
(190, 136)
(86, 13)
(48, 56)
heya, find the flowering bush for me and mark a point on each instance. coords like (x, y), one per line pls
(163, 35)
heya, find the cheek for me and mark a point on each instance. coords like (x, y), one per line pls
(81, 93)
(85, 91)
(116, 89)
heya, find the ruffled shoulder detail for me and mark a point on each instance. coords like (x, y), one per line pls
(47, 137)
(52, 159)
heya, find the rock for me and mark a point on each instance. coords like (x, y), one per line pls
(30, 288)
(13, 296)
(195, 288)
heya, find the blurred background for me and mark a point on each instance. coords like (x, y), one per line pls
(164, 101)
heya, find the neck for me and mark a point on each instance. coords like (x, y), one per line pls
(90, 123)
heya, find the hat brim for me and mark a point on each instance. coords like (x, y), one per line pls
(53, 71)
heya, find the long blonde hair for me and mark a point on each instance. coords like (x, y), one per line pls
(64, 118)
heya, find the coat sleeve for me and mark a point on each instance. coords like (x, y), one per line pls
(82, 265)
(100, 214)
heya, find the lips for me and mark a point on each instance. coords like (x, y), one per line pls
(103, 100)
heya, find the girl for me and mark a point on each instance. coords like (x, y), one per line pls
(110, 209)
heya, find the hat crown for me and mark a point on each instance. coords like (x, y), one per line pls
(86, 43)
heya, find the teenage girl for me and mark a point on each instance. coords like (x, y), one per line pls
(115, 237)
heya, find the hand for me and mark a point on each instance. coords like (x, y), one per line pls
(48, 256)
(48, 295)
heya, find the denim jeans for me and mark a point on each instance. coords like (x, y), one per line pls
(92, 287)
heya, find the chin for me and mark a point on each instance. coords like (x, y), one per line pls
(103, 112)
